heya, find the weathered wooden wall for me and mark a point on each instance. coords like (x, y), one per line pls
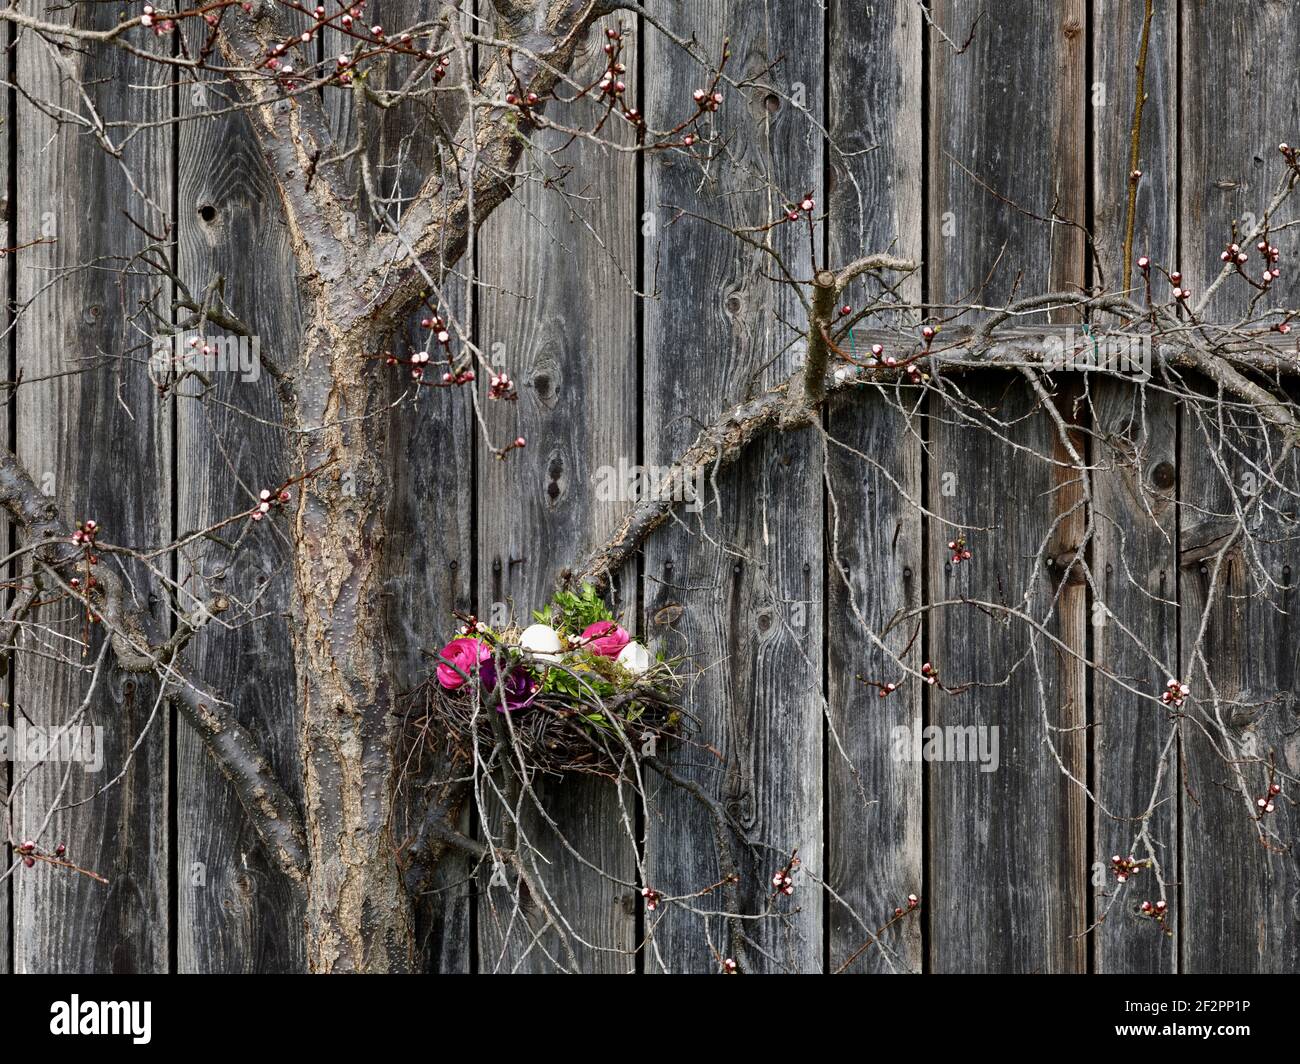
(811, 538)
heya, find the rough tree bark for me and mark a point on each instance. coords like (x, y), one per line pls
(359, 917)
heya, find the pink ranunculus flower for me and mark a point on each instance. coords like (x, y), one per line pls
(466, 654)
(605, 638)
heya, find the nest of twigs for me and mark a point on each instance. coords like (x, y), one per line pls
(587, 701)
(553, 735)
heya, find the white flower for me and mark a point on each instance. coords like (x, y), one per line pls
(542, 641)
(634, 657)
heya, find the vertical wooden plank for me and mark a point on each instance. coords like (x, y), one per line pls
(1007, 862)
(737, 589)
(429, 553)
(429, 568)
(1135, 765)
(1134, 560)
(1116, 46)
(6, 424)
(559, 313)
(874, 805)
(235, 911)
(1006, 847)
(95, 433)
(1238, 897)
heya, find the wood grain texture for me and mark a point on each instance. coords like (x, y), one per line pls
(429, 566)
(235, 912)
(1006, 151)
(98, 439)
(1244, 108)
(559, 312)
(1006, 848)
(6, 424)
(750, 590)
(738, 588)
(1238, 897)
(1134, 562)
(1134, 552)
(873, 544)
(1116, 44)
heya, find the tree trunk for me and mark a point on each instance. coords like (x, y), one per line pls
(359, 917)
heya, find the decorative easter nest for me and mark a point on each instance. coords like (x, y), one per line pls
(586, 703)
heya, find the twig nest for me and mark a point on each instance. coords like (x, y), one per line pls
(572, 692)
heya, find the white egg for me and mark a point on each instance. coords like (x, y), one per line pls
(634, 657)
(542, 641)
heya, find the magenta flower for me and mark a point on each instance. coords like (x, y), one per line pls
(605, 638)
(466, 654)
